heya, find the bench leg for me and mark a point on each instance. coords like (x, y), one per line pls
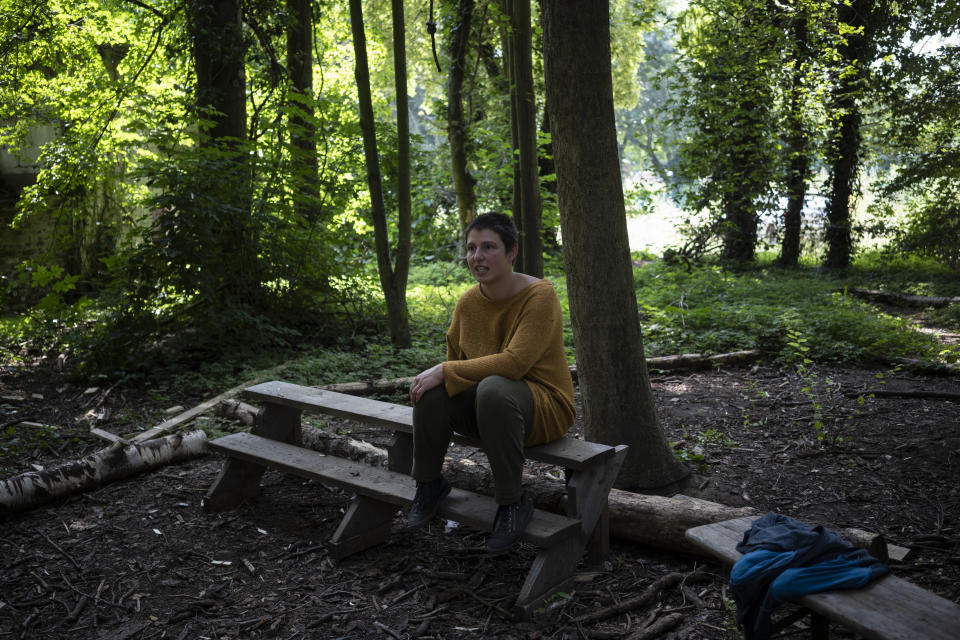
(366, 523)
(400, 452)
(587, 500)
(551, 572)
(239, 480)
(819, 627)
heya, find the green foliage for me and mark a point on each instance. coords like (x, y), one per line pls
(707, 309)
(948, 316)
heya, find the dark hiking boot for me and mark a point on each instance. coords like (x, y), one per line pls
(427, 502)
(509, 524)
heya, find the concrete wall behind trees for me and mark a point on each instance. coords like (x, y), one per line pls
(18, 171)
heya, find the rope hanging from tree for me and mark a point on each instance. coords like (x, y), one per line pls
(432, 30)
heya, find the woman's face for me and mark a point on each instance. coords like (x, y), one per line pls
(487, 258)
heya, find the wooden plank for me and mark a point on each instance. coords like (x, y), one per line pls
(186, 416)
(477, 511)
(566, 452)
(887, 609)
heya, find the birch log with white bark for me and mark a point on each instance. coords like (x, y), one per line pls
(117, 461)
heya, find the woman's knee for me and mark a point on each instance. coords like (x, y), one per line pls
(496, 390)
(503, 404)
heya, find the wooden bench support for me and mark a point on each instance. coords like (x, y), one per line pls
(886, 609)
(380, 493)
(551, 572)
(274, 442)
(366, 523)
(239, 480)
(587, 492)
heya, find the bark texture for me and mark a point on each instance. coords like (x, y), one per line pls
(29, 490)
(463, 180)
(303, 129)
(393, 284)
(844, 186)
(525, 115)
(614, 383)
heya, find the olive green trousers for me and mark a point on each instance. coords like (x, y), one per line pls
(498, 411)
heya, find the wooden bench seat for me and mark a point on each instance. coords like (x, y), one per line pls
(273, 443)
(565, 452)
(886, 609)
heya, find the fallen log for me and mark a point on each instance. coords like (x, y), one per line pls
(117, 461)
(662, 363)
(904, 393)
(656, 521)
(903, 299)
(920, 366)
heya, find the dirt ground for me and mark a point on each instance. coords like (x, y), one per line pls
(139, 559)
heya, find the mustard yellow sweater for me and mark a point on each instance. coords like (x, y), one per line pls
(520, 338)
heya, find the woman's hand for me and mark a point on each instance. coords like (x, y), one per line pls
(426, 380)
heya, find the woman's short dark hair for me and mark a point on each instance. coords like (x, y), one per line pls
(499, 222)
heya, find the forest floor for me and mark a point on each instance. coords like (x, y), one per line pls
(139, 559)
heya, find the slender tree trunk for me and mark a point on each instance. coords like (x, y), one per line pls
(219, 57)
(396, 304)
(613, 378)
(463, 181)
(507, 44)
(404, 206)
(547, 168)
(526, 118)
(301, 118)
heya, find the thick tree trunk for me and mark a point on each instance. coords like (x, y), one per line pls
(614, 383)
(219, 55)
(301, 118)
(117, 461)
(740, 231)
(463, 180)
(844, 173)
(531, 255)
(394, 295)
(799, 155)
(842, 180)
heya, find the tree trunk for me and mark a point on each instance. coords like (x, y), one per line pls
(799, 155)
(529, 215)
(844, 173)
(394, 296)
(507, 44)
(301, 116)
(740, 230)
(613, 378)
(219, 58)
(117, 461)
(401, 268)
(463, 182)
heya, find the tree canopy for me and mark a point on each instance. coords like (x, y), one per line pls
(198, 169)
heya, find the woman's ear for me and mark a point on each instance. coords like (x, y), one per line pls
(512, 253)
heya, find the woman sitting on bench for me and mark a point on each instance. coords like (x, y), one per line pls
(505, 380)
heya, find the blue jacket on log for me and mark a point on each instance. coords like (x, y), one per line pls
(785, 559)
